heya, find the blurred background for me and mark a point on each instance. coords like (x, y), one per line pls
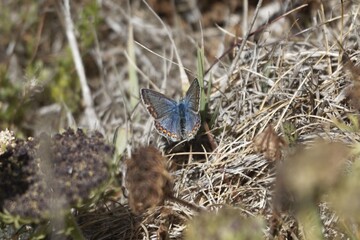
(281, 124)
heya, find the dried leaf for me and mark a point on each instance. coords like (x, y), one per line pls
(350, 67)
(269, 143)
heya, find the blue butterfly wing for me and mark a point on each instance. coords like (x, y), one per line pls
(191, 114)
(192, 97)
(157, 104)
(165, 112)
(169, 126)
(192, 124)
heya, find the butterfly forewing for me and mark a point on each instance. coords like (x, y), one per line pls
(165, 112)
(192, 97)
(191, 116)
(157, 104)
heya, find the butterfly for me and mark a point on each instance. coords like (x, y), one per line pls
(174, 120)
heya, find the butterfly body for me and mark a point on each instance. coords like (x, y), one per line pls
(182, 114)
(175, 120)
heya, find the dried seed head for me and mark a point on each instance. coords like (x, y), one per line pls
(147, 179)
(269, 143)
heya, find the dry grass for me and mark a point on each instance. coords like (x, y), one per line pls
(290, 75)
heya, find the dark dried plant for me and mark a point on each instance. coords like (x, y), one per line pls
(147, 179)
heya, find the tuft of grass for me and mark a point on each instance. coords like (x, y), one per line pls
(200, 76)
(134, 89)
(87, 23)
(64, 87)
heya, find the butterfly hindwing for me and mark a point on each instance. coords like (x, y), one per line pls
(169, 126)
(192, 124)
